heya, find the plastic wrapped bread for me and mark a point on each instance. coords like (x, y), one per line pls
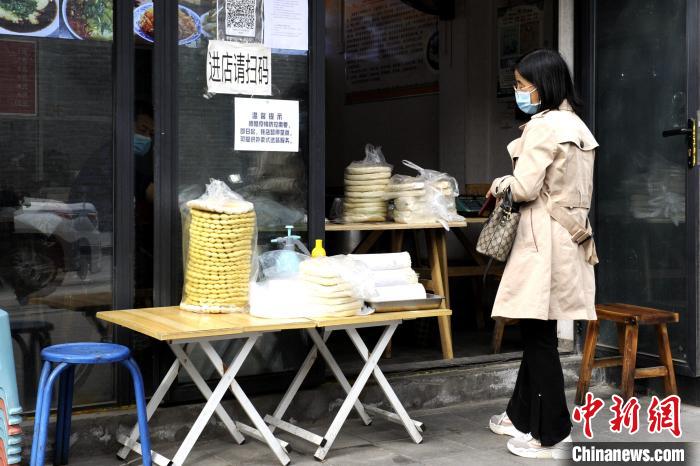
(366, 182)
(428, 197)
(219, 238)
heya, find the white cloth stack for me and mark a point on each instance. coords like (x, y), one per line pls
(393, 276)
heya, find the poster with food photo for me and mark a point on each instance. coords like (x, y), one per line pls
(60, 19)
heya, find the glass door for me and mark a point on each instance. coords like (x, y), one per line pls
(646, 194)
(201, 143)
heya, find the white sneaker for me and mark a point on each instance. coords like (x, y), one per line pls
(501, 425)
(529, 447)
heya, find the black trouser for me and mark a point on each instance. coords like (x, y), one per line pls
(538, 405)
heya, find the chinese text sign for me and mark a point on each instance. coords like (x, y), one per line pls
(266, 125)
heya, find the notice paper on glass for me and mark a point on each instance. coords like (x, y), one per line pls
(287, 24)
(269, 125)
(234, 68)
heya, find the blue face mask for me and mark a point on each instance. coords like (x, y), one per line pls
(142, 144)
(522, 98)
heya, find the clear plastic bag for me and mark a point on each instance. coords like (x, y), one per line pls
(219, 242)
(365, 186)
(336, 212)
(340, 269)
(425, 198)
(374, 157)
(281, 263)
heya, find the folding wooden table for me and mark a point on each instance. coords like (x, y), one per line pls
(389, 321)
(184, 331)
(437, 256)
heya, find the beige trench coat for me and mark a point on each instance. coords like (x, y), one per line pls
(548, 276)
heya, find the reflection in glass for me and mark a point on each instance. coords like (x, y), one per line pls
(56, 204)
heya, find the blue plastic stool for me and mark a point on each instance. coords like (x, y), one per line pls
(8, 379)
(10, 445)
(66, 357)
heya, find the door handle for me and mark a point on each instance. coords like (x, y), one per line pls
(676, 132)
(690, 133)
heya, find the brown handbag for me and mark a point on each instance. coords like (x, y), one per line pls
(498, 235)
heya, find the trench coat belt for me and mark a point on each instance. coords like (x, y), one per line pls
(581, 235)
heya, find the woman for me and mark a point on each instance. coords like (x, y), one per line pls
(549, 274)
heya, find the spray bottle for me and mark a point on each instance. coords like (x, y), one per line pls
(288, 260)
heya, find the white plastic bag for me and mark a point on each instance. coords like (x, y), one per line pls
(426, 198)
(326, 271)
(374, 157)
(281, 263)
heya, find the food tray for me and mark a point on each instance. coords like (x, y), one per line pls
(432, 301)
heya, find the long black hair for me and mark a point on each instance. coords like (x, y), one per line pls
(547, 70)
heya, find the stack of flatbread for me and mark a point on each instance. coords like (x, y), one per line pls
(409, 195)
(419, 201)
(218, 257)
(365, 188)
(328, 293)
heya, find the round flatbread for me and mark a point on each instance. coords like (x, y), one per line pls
(382, 206)
(406, 186)
(367, 188)
(400, 194)
(360, 218)
(365, 195)
(365, 169)
(366, 176)
(324, 281)
(380, 182)
(365, 211)
(365, 202)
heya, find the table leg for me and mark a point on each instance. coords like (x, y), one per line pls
(437, 253)
(228, 380)
(441, 241)
(335, 368)
(218, 364)
(367, 243)
(295, 385)
(203, 387)
(397, 237)
(154, 402)
(354, 394)
(406, 420)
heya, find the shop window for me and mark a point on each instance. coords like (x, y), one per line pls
(56, 188)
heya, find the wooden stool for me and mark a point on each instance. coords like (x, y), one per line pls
(628, 318)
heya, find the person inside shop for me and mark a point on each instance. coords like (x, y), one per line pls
(143, 197)
(549, 273)
(94, 183)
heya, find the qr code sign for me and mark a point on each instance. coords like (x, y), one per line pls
(240, 17)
